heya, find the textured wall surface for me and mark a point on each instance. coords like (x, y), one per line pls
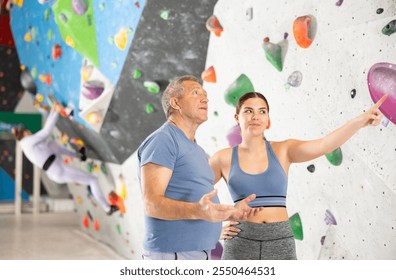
(360, 193)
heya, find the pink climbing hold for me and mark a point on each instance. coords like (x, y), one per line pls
(382, 81)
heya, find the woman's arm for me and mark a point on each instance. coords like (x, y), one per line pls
(301, 151)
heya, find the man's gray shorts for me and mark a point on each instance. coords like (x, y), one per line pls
(266, 241)
(190, 255)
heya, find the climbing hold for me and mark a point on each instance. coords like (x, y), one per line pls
(96, 225)
(249, 13)
(102, 6)
(118, 228)
(382, 80)
(115, 200)
(322, 239)
(92, 89)
(149, 108)
(56, 51)
(380, 11)
(33, 72)
(136, 74)
(295, 79)
(28, 37)
(329, 218)
(50, 35)
(353, 93)
(213, 25)
(94, 118)
(234, 136)
(86, 72)
(103, 168)
(63, 17)
(335, 157)
(69, 41)
(121, 39)
(86, 221)
(137, 5)
(89, 167)
(238, 88)
(339, 2)
(286, 35)
(47, 14)
(273, 53)
(390, 28)
(79, 7)
(121, 187)
(209, 75)
(164, 14)
(39, 97)
(301, 31)
(33, 33)
(296, 226)
(89, 215)
(151, 86)
(216, 253)
(216, 114)
(28, 82)
(311, 168)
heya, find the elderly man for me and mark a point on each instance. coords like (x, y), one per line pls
(182, 214)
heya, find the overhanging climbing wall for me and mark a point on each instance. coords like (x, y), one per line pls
(170, 40)
(349, 208)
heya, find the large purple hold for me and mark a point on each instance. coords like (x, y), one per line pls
(234, 136)
(80, 7)
(381, 81)
(92, 89)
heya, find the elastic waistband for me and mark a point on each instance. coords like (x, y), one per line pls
(264, 231)
(48, 162)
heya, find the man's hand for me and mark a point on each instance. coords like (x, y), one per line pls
(243, 211)
(213, 212)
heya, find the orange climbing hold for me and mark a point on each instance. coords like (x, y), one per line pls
(96, 225)
(301, 31)
(86, 221)
(115, 200)
(213, 25)
(209, 75)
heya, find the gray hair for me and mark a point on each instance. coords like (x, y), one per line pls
(174, 89)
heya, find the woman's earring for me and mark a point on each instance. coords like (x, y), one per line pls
(269, 124)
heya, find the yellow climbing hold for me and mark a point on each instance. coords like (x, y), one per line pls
(70, 42)
(121, 39)
(28, 37)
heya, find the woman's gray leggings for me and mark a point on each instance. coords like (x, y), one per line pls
(265, 241)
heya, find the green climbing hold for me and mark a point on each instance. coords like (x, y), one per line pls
(50, 35)
(390, 28)
(47, 14)
(238, 88)
(103, 168)
(33, 33)
(89, 167)
(216, 114)
(165, 14)
(335, 157)
(118, 228)
(136, 74)
(114, 64)
(152, 87)
(110, 40)
(102, 6)
(149, 108)
(273, 53)
(33, 72)
(296, 226)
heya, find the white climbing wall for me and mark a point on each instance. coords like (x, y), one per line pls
(361, 192)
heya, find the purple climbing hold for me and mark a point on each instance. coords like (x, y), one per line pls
(329, 218)
(339, 2)
(234, 136)
(381, 81)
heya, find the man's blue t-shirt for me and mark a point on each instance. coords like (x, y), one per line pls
(192, 177)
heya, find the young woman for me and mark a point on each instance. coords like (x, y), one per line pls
(261, 167)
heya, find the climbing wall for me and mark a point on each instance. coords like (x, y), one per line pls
(345, 201)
